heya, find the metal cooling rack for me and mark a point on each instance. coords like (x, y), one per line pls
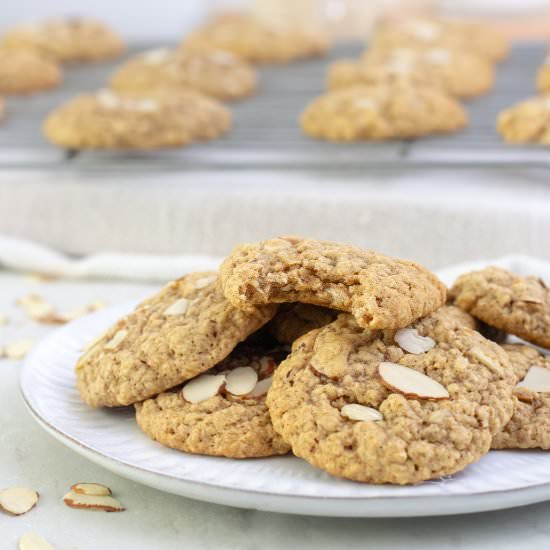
(266, 133)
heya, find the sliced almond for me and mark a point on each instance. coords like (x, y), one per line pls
(241, 380)
(203, 387)
(92, 489)
(156, 56)
(410, 341)
(410, 382)
(18, 349)
(116, 340)
(105, 503)
(179, 307)
(18, 500)
(31, 541)
(484, 359)
(354, 411)
(537, 379)
(35, 306)
(261, 388)
(205, 281)
(267, 366)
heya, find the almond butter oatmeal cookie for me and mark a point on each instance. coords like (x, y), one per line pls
(460, 74)
(220, 413)
(381, 292)
(529, 427)
(382, 111)
(218, 74)
(109, 120)
(255, 40)
(24, 72)
(483, 40)
(184, 330)
(392, 407)
(295, 320)
(66, 39)
(518, 305)
(527, 121)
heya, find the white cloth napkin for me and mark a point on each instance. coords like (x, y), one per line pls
(25, 256)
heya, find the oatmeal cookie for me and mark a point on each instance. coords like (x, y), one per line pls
(218, 422)
(381, 112)
(67, 39)
(530, 425)
(392, 407)
(109, 120)
(295, 320)
(218, 74)
(184, 330)
(25, 72)
(527, 121)
(381, 292)
(255, 40)
(512, 303)
(420, 33)
(460, 74)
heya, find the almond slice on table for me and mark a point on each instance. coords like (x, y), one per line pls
(35, 306)
(261, 388)
(354, 411)
(92, 489)
(18, 349)
(30, 541)
(203, 387)
(410, 382)
(537, 379)
(241, 380)
(18, 500)
(179, 307)
(104, 503)
(410, 341)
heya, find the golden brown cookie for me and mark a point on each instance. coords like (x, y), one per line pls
(215, 73)
(255, 40)
(221, 412)
(512, 303)
(460, 74)
(529, 427)
(24, 72)
(109, 120)
(184, 330)
(382, 112)
(392, 407)
(381, 292)
(527, 121)
(460, 35)
(295, 320)
(66, 39)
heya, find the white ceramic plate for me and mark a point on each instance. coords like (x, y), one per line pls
(283, 484)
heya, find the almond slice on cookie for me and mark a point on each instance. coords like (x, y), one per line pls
(411, 383)
(203, 387)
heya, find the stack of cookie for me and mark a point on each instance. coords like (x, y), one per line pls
(408, 83)
(348, 358)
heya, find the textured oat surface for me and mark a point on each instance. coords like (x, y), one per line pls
(473, 37)
(67, 39)
(215, 73)
(380, 291)
(526, 122)
(515, 304)
(24, 72)
(160, 350)
(530, 424)
(158, 119)
(256, 41)
(460, 74)
(295, 320)
(417, 439)
(224, 425)
(382, 111)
